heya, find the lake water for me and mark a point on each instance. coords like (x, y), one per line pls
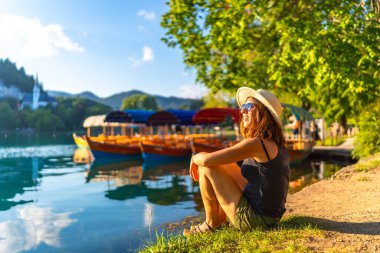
(49, 203)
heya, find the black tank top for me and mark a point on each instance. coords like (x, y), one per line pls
(268, 183)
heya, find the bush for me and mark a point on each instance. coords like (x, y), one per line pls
(367, 141)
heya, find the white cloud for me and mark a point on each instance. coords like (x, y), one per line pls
(148, 54)
(27, 37)
(34, 226)
(146, 14)
(192, 91)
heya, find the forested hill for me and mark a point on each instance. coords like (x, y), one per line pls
(10, 75)
(116, 100)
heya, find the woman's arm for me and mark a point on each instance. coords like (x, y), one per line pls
(244, 149)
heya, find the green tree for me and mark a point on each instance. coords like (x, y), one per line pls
(8, 117)
(367, 142)
(44, 120)
(11, 75)
(73, 111)
(325, 53)
(219, 99)
(139, 101)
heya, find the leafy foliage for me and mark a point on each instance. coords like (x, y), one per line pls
(74, 110)
(8, 116)
(367, 141)
(218, 99)
(325, 53)
(140, 101)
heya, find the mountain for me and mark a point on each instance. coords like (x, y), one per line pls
(59, 94)
(89, 95)
(116, 100)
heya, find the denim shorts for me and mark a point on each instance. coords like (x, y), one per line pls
(247, 219)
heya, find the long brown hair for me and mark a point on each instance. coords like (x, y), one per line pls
(264, 126)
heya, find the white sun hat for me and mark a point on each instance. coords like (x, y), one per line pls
(264, 96)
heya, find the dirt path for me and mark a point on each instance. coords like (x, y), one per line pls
(346, 207)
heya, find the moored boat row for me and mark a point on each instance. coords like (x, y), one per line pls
(126, 136)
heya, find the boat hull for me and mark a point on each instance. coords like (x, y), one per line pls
(299, 150)
(151, 152)
(104, 150)
(206, 145)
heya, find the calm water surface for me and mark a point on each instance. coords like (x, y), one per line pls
(49, 203)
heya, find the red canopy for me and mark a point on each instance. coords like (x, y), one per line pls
(215, 115)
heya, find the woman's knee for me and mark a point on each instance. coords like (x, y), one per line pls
(211, 170)
(203, 170)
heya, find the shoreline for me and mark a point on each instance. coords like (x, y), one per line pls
(345, 207)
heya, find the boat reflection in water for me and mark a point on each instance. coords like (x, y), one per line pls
(83, 156)
(162, 184)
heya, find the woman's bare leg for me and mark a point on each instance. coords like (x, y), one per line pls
(221, 188)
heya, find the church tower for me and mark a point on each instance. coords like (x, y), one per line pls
(36, 94)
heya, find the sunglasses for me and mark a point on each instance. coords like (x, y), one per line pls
(247, 106)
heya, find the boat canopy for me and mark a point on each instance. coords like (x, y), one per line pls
(185, 116)
(118, 117)
(139, 116)
(299, 113)
(162, 118)
(216, 115)
(168, 117)
(94, 121)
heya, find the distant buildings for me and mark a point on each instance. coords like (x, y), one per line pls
(12, 91)
(37, 99)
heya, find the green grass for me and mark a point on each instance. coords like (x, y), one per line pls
(289, 237)
(368, 163)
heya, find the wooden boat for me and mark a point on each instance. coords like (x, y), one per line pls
(210, 144)
(115, 148)
(81, 142)
(165, 149)
(299, 149)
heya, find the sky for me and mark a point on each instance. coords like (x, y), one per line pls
(102, 46)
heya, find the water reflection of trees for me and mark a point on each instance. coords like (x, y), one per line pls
(163, 184)
(16, 177)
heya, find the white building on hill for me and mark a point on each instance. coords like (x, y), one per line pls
(36, 99)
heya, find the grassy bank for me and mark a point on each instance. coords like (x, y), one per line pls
(321, 220)
(289, 237)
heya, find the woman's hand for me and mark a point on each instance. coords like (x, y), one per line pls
(194, 170)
